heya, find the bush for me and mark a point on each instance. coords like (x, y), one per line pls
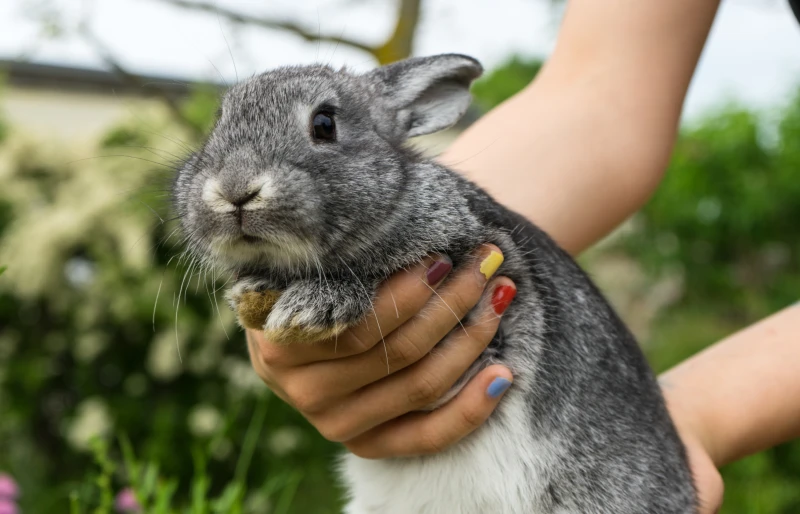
(505, 81)
(106, 328)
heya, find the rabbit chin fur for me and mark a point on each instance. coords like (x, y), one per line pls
(583, 429)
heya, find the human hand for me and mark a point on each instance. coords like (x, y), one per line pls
(707, 479)
(351, 394)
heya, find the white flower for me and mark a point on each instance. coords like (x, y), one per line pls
(91, 420)
(163, 361)
(88, 346)
(241, 376)
(80, 272)
(284, 440)
(204, 420)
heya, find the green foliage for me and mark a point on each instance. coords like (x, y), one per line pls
(155, 494)
(94, 309)
(4, 128)
(199, 113)
(124, 136)
(505, 81)
(726, 214)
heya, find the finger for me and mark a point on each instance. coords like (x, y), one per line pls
(263, 372)
(417, 337)
(421, 385)
(421, 433)
(397, 300)
(708, 481)
(375, 329)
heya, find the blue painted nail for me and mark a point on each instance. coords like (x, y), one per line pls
(498, 387)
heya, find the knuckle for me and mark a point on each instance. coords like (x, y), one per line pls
(471, 419)
(427, 389)
(404, 350)
(270, 355)
(433, 442)
(333, 431)
(482, 330)
(357, 340)
(304, 398)
(460, 304)
(408, 305)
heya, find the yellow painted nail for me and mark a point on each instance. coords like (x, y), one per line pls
(490, 264)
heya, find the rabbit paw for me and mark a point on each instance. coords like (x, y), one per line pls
(252, 299)
(310, 311)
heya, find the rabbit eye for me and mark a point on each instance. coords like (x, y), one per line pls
(323, 126)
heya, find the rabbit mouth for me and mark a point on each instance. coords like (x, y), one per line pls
(281, 251)
(247, 238)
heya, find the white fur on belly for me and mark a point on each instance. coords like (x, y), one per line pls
(496, 470)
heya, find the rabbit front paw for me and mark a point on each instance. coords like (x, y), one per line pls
(310, 311)
(252, 299)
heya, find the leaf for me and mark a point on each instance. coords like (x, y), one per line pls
(285, 501)
(230, 499)
(250, 440)
(163, 497)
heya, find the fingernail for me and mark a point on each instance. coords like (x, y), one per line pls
(491, 263)
(498, 386)
(501, 298)
(438, 270)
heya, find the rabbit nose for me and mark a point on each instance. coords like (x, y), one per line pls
(239, 200)
(236, 197)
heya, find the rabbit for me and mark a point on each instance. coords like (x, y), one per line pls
(308, 194)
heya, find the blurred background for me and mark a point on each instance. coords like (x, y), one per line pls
(122, 379)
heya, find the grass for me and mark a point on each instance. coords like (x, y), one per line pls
(157, 494)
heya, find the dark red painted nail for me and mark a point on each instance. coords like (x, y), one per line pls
(438, 270)
(501, 298)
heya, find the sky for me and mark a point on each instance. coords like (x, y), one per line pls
(753, 53)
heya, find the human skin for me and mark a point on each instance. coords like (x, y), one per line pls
(590, 139)
(741, 394)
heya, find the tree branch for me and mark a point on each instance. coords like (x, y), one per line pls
(401, 43)
(267, 23)
(135, 80)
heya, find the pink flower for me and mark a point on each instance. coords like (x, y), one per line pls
(8, 507)
(125, 503)
(8, 488)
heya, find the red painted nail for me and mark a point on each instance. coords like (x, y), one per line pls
(501, 298)
(438, 270)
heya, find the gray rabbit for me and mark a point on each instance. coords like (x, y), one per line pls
(307, 194)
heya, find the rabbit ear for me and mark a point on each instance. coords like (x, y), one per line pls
(427, 94)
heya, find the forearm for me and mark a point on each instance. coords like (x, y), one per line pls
(742, 395)
(586, 144)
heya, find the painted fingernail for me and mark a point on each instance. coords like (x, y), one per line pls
(498, 386)
(501, 298)
(438, 270)
(490, 264)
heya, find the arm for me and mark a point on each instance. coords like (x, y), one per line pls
(740, 396)
(590, 138)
